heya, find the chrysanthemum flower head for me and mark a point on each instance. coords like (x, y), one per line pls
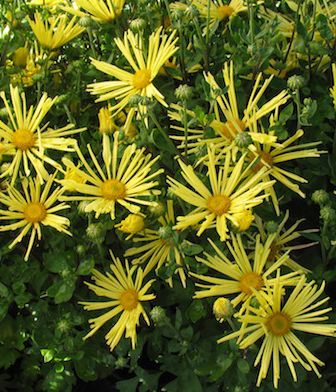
(31, 209)
(230, 192)
(240, 277)
(56, 31)
(126, 292)
(102, 11)
(275, 321)
(26, 141)
(125, 181)
(145, 63)
(158, 246)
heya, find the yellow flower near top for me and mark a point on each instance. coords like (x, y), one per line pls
(145, 61)
(240, 277)
(26, 141)
(31, 209)
(126, 293)
(230, 192)
(158, 246)
(125, 181)
(56, 31)
(275, 322)
(100, 10)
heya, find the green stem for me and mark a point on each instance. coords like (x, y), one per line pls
(91, 42)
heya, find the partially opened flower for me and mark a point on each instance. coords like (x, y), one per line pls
(56, 31)
(159, 247)
(124, 181)
(275, 322)
(229, 192)
(241, 276)
(100, 10)
(126, 292)
(32, 209)
(145, 61)
(26, 141)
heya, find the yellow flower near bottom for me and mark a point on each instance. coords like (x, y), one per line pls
(31, 209)
(126, 295)
(275, 321)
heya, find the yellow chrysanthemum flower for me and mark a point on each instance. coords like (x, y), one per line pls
(33, 208)
(159, 246)
(56, 31)
(273, 157)
(230, 192)
(146, 65)
(241, 277)
(124, 181)
(26, 141)
(276, 321)
(126, 293)
(47, 3)
(103, 11)
(132, 224)
(333, 89)
(281, 242)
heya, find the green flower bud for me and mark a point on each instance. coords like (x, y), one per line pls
(157, 209)
(271, 227)
(320, 197)
(121, 362)
(165, 232)
(135, 100)
(137, 25)
(183, 92)
(85, 21)
(82, 207)
(295, 82)
(158, 316)
(243, 140)
(95, 232)
(328, 214)
(80, 249)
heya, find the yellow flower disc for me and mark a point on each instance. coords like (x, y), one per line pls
(224, 11)
(219, 204)
(113, 190)
(23, 139)
(279, 324)
(249, 281)
(129, 299)
(141, 79)
(34, 212)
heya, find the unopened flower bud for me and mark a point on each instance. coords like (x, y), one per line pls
(132, 224)
(271, 227)
(165, 232)
(20, 57)
(106, 124)
(183, 92)
(328, 214)
(320, 197)
(85, 21)
(158, 315)
(95, 232)
(244, 219)
(295, 82)
(121, 362)
(135, 100)
(82, 207)
(222, 309)
(137, 25)
(243, 140)
(157, 208)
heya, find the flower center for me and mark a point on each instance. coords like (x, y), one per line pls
(224, 11)
(129, 299)
(279, 324)
(266, 157)
(113, 190)
(23, 139)
(141, 78)
(229, 129)
(34, 212)
(249, 281)
(219, 204)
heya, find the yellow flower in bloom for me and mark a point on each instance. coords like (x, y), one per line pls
(333, 89)
(106, 124)
(146, 65)
(126, 293)
(230, 192)
(281, 240)
(244, 219)
(159, 246)
(124, 181)
(73, 172)
(132, 224)
(273, 157)
(229, 122)
(24, 138)
(240, 276)
(276, 321)
(56, 31)
(33, 208)
(100, 10)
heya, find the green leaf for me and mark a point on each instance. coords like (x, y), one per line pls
(129, 385)
(65, 291)
(190, 249)
(161, 142)
(4, 292)
(196, 311)
(86, 266)
(243, 366)
(286, 113)
(47, 354)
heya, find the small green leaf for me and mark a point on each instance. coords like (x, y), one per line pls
(196, 311)
(190, 249)
(47, 354)
(243, 366)
(4, 292)
(86, 266)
